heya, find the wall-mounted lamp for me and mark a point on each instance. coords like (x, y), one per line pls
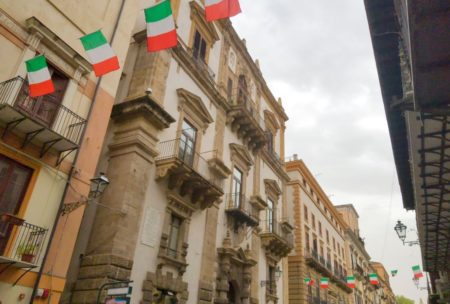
(277, 276)
(400, 228)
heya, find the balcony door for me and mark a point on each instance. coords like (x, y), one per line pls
(44, 108)
(237, 187)
(242, 89)
(187, 143)
(14, 180)
(270, 215)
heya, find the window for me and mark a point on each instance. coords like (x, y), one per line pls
(187, 143)
(237, 187)
(307, 240)
(271, 280)
(320, 228)
(45, 108)
(334, 244)
(230, 89)
(199, 47)
(269, 137)
(270, 215)
(175, 227)
(14, 179)
(305, 211)
(328, 237)
(313, 219)
(315, 244)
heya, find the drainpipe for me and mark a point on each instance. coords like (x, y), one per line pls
(61, 204)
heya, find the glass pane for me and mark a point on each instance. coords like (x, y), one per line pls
(174, 235)
(14, 180)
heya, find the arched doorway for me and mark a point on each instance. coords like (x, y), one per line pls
(233, 293)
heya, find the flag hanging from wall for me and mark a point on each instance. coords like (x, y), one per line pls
(373, 278)
(220, 9)
(351, 282)
(39, 79)
(394, 272)
(309, 281)
(324, 282)
(100, 53)
(417, 272)
(161, 32)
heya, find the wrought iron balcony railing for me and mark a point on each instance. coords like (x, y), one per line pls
(242, 97)
(44, 110)
(242, 208)
(275, 227)
(179, 149)
(20, 242)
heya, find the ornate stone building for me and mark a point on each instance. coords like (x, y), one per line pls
(196, 209)
(320, 243)
(384, 293)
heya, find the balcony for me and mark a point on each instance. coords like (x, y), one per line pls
(189, 172)
(277, 239)
(341, 280)
(42, 120)
(318, 262)
(246, 121)
(242, 210)
(21, 243)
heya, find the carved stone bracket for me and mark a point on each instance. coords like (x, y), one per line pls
(157, 281)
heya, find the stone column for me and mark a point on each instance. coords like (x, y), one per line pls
(111, 247)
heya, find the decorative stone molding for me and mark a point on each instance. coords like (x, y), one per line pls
(159, 281)
(240, 155)
(206, 28)
(258, 202)
(272, 188)
(194, 107)
(271, 120)
(219, 167)
(58, 46)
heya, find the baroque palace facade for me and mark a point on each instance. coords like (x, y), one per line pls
(196, 209)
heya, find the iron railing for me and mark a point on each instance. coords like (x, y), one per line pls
(238, 201)
(179, 149)
(275, 227)
(241, 96)
(44, 109)
(21, 241)
(202, 65)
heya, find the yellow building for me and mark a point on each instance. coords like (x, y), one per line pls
(49, 146)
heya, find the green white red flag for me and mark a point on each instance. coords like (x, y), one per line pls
(308, 281)
(220, 9)
(324, 283)
(161, 32)
(100, 53)
(351, 282)
(39, 79)
(417, 272)
(373, 279)
(394, 272)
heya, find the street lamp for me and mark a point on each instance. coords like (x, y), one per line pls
(400, 228)
(277, 275)
(98, 185)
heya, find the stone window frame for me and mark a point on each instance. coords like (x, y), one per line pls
(273, 192)
(240, 159)
(176, 206)
(206, 29)
(193, 110)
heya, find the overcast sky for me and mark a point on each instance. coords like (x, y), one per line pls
(317, 56)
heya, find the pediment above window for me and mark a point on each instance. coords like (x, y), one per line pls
(241, 155)
(206, 28)
(194, 107)
(272, 187)
(271, 120)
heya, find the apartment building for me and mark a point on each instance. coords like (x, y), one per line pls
(320, 241)
(384, 293)
(50, 145)
(196, 210)
(358, 259)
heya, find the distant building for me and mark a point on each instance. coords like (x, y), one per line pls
(320, 241)
(385, 294)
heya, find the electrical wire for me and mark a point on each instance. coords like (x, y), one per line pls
(389, 217)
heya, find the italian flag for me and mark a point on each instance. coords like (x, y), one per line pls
(308, 281)
(324, 282)
(373, 279)
(220, 9)
(100, 53)
(394, 272)
(351, 282)
(39, 79)
(417, 272)
(161, 32)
